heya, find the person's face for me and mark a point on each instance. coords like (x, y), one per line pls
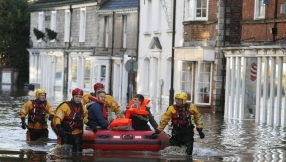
(42, 96)
(137, 103)
(98, 89)
(178, 101)
(77, 98)
(101, 97)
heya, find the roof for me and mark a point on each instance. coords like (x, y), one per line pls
(54, 3)
(119, 4)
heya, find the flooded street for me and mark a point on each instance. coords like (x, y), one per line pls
(226, 140)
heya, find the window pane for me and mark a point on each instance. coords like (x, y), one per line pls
(204, 83)
(74, 72)
(87, 74)
(59, 70)
(187, 78)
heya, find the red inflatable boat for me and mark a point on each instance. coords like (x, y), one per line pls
(124, 140)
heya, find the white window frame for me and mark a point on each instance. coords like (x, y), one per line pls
(198, 75)
(190, 10)
(82, 24)
(259, 7)
(124, 30)
(106, 31)
(147, 75)
(40, 23)
(53, 22)
(67, 25)
(189, 82)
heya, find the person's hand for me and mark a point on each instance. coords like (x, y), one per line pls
(94, 129)
(51, 117)
(200, 130)
(155, 134)
(92, 126)
(61, 131)
(24, 125)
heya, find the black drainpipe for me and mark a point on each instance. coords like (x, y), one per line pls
(111, 60)
(223, 59)
(274, 29)
(66, 54)
(171, 97)
(137, 47)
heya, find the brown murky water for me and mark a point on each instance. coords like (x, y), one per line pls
(226, 140)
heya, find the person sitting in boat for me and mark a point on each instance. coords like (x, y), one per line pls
(140, 113)
(97, 111)
(69, 119)
(109, 101)
(182, 114)
(36, 110)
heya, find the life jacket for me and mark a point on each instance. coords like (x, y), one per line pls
(104, 108)
(120, 122)
(182, 117)
(38, 113)
(75, 119)
(137, 111)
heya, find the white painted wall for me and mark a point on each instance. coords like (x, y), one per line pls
(160, 69)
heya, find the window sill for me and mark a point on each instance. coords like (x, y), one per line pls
(146, 33)
(187, 22)
(169, 30)
(157, 32)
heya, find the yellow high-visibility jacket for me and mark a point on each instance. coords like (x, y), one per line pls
(28, 106)
(65, 110)
(109, 102)
(171, 110)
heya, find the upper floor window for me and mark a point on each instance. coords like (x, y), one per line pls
(82, 25)
(196, 9)
(67, 25)
(106, 31)
(259, 9)
(124, 30)
(40, 23)
(53, 21)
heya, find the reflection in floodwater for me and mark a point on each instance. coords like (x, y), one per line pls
(226, 140)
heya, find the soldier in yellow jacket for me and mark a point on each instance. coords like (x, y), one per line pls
(69, 119)
(36, 110)
(109, 100)
(181, 114)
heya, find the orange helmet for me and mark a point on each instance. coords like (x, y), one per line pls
(77, 91)
(98, 85)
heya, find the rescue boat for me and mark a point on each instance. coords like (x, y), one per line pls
(131, 140)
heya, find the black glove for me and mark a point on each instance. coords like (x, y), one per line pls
(51, 117)
(155, 135)
(200, 130)
(61, 131)
(24, 125)
(92, 126)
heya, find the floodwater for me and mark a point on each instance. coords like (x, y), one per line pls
(225, 140)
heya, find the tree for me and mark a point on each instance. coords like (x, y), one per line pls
(14, 36)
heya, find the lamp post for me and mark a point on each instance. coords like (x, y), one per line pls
(171, 97)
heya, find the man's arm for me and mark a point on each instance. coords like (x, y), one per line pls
(151, 119)
(97, 109)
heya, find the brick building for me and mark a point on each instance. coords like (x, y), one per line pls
(256, 67)
(208, 27)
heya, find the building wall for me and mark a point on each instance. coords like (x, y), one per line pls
(155, 21)
(259, 30)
